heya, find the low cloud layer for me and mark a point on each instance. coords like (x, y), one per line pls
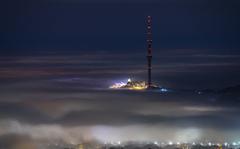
(78, 115)
(66, 99)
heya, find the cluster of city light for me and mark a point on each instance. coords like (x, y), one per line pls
(118, 85)
(140, 86)
(137, 88)
(132, 85)
(184, 143)
(222, 145)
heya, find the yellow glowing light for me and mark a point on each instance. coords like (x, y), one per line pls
(142, 87)
(81, 146)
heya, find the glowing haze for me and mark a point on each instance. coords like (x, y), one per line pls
(59, 57)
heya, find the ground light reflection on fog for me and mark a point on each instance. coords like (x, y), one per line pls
(105, 115)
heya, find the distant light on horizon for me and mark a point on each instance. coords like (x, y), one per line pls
(234, 143)
(209, 144)
(225, 144)
(170, 143)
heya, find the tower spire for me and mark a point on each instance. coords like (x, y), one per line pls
(149, 50)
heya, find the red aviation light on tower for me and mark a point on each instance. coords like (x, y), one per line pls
(149, 50)
(142, 85)
(149, 35)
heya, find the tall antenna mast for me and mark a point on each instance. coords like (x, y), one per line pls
(149, 50)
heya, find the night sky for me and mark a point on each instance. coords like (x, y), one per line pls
(58, 58)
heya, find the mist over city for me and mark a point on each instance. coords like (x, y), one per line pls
(79, 74)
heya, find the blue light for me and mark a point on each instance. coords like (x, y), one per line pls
(164, 90)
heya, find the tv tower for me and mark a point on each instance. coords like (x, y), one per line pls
(149, 50)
